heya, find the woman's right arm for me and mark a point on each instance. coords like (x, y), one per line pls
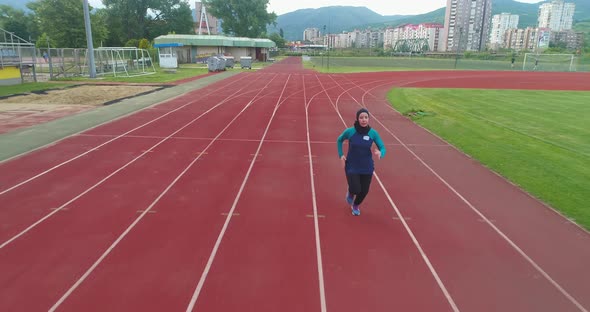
(341, 138)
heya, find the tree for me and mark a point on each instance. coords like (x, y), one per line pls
(144, 44)
(242, 18)
(15, 21)
(278, 40)
(131, 19)
(177, 18)
(281, 33)
(63, 22)
(43, 41)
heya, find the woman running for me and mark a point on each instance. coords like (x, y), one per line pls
(358, 163)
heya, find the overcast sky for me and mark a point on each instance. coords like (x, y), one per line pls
(383, 7)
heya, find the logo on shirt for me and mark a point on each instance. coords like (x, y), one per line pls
(366, 138)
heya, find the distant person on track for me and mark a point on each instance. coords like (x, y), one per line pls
(358, 163)
(512, 61)
(536, 64)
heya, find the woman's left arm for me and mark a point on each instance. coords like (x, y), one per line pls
(377, 139)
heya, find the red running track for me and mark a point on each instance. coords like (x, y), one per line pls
(232, 198)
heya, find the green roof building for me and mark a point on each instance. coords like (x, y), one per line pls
(197, 48)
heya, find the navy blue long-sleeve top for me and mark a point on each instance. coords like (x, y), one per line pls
(359, 159)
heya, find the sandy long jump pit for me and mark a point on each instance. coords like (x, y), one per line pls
(33, 108)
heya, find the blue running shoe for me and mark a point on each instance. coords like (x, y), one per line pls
(349, 198)
(356, 210)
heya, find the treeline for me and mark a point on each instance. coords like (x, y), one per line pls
(60, 23)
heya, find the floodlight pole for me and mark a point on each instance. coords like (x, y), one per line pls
(458, 46)
(327, 39)
(329, 22)
(92, 68)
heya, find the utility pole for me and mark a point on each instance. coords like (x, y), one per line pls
(328, 46)
(92, 68)
(49, 59)
(325, 34)
(458, 45)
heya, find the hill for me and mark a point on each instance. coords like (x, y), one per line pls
(335, 18)
(346, 18)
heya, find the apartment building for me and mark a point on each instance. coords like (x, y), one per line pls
(501, 23)
(556, 15)
(467, 24)
(309, 34)
(432, 33)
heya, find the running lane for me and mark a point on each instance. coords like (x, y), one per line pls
(267, 259)
(179, 237)
(70, 241)
(470, 247)
(370, 262)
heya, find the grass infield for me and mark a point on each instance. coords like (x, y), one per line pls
(539, 140)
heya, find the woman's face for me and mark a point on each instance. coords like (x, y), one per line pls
(364, 119)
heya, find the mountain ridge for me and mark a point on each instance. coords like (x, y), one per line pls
(347, 18)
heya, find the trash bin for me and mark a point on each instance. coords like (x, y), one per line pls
(212, 63)
(220, 63)
(246, 62)
(229, 61)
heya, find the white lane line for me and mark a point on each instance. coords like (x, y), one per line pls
(488, 221)
(197, 291)
(387, 104)
(147, 210)
(318, 244)
(107, 142)
(438, 280)
(29, 228)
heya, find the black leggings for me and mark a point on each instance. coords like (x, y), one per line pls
(358, 184)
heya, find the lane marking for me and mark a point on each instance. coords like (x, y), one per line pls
(316, 225)
(29, 228)
(201, 282)
(103, 144)
(402, 220)
(139, 218)
(483, 217)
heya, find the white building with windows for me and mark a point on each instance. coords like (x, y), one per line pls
(556, 15)
(501, 23)
(467, 24)
(309, 34)
(431, 32)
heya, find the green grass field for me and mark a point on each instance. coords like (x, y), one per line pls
(539, 140)
(160, 76)
(376, 64)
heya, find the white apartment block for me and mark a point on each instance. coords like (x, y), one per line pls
(501, 23)
(556, 15)
(309, 34)
(432, 32)
(467, 24)
(528, 39)
(369, 39)
(338, 41)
